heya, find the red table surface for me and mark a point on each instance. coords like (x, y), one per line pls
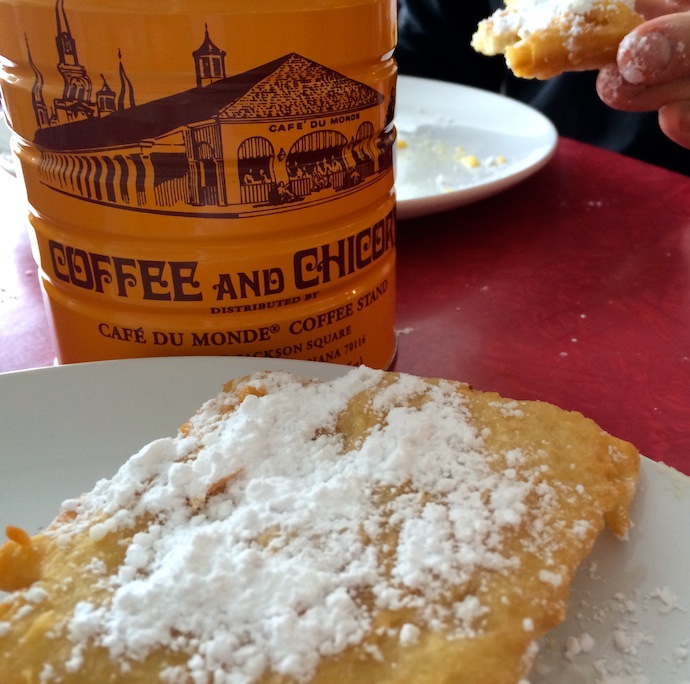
(572, 287)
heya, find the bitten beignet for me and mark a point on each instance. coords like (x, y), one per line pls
(376, 528)
(543, 38)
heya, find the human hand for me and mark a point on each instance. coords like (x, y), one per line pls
(652, 70)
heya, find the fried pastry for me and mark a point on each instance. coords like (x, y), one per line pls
(543, 38)
(379, 527)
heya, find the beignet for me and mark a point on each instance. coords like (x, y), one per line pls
(379, 528)
(543, 38)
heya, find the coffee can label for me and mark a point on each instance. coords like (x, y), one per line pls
(208, 179)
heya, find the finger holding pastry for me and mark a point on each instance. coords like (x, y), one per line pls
(652, 72)
(650, 9)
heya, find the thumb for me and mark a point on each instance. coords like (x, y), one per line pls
(657, 51)
(674, 121)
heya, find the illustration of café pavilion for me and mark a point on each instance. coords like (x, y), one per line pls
(293, 130)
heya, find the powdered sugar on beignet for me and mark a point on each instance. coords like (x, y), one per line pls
(543, 38)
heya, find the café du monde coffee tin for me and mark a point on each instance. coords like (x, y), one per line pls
(208, 176)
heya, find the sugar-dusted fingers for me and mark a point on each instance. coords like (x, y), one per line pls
(652, 72)
(652, 67)
(618, 93)
(657, 52)
(672, 100)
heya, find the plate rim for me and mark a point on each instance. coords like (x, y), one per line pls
(442, 201)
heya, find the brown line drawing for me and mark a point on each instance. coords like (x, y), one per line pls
(288, 132)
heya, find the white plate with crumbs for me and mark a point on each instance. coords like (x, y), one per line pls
(64, 428)
(457, 145)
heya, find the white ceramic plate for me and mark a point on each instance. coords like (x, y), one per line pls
(443, 126)
(63, 428)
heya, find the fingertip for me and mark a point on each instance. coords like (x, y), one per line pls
(674, 121)
(609, 82)
(643, 56)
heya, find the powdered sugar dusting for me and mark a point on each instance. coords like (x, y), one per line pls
(614, 639)
(527, 16)
(284, 535)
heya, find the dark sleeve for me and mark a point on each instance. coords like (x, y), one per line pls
(434, 42)
(572, 103)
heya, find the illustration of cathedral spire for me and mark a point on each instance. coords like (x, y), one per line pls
(126, 98)
(76, 95)
(209, 62)
(66, 45)
(105, 99)
(37, 101)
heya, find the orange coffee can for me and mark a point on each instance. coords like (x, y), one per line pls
(208, 176)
